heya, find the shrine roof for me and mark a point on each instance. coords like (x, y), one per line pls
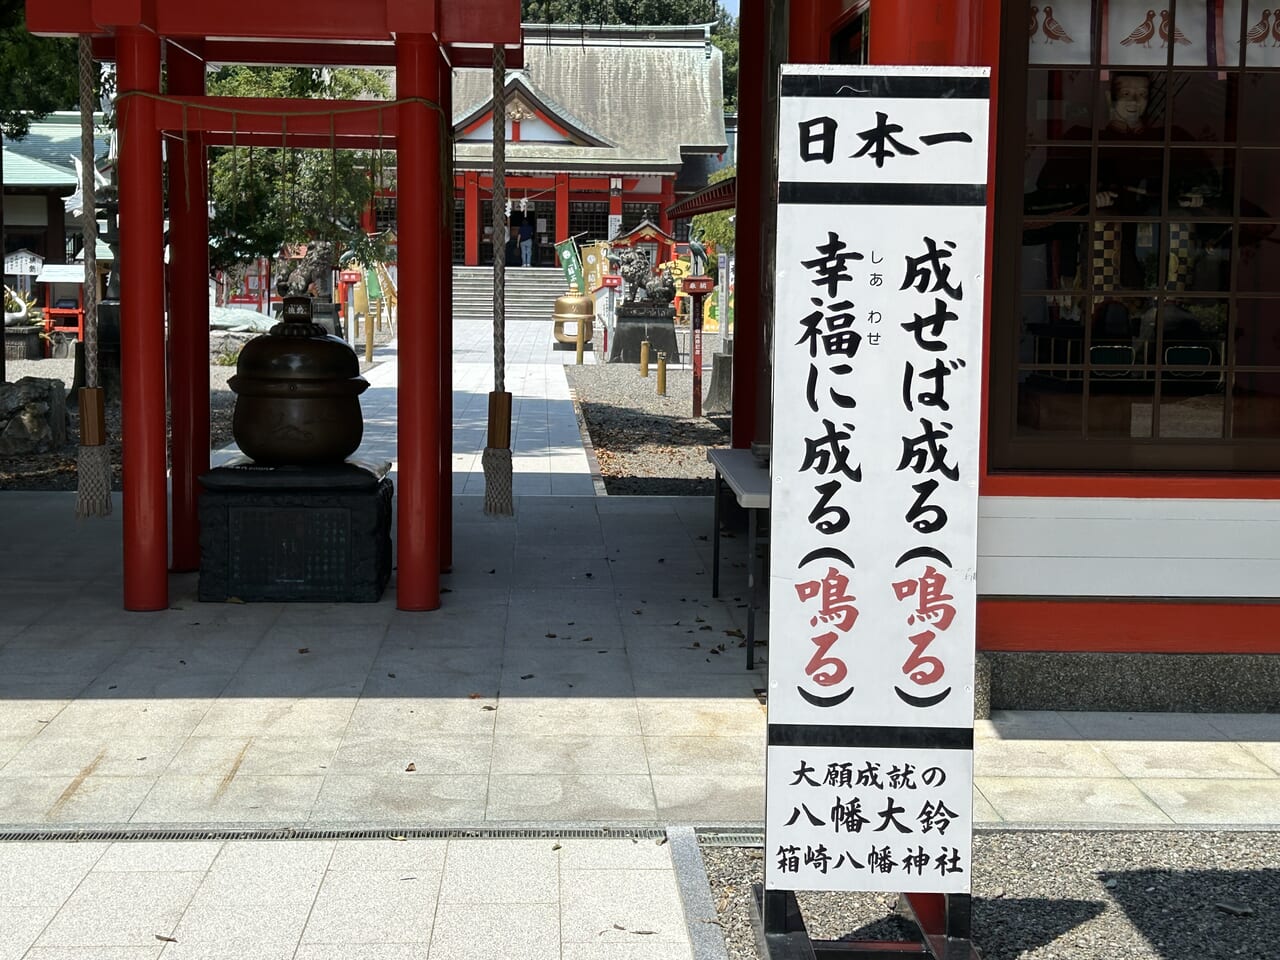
(26, 172)
(651, 95)
(55, 139)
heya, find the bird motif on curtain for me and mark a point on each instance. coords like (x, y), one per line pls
(1178, 35)
(1034, 25)
(1258, 32)
(1143, 32)
(1053, 29)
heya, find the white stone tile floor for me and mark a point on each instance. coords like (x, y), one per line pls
(209, 716)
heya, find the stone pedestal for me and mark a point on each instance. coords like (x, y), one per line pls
(720, 394)
(295, 533)
(635, 322)
(22, 343)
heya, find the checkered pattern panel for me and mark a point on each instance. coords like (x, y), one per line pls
(1179, 255)
(1106, 256)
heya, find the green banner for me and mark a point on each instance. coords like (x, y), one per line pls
(373, 289)
(571, 263)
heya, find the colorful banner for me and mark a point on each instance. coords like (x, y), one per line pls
(567, 255)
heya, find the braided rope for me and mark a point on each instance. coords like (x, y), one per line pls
(499, 217)
(499, 495)
(93, 462)
(89, 213)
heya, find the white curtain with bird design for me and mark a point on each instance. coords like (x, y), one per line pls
(1138, 33)
(1261, 40)
(1060, 33)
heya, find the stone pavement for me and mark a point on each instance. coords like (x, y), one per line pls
(514, 775)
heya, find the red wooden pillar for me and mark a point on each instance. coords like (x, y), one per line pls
(188, 313)
(668, 197)
(471, 210)
(809, 30)
(142, 401)
(446, 341)
(562, 208)
(418, 433)
(944, 33)
(753, 46)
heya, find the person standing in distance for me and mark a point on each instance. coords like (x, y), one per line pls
(526, 242)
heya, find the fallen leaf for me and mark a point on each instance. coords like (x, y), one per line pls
(735, 632)
(555, 846)
(488, 707)
(304, 649)
(234, 600)
(391, 675)
(473, 696)
(527, 676)
(398, 837)
(660, 841)
(550, 636)
(161, 937)
(411, 768)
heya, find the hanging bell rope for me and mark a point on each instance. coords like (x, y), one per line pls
(93, 463)
(496, 459)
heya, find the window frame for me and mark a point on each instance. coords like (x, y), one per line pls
(1008, 451)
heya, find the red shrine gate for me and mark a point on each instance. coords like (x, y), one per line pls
(423, 40)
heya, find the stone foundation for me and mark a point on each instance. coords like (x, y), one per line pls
(1139, 682)
(295, 533)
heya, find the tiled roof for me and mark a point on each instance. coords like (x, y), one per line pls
(652, 94)
(23, 171)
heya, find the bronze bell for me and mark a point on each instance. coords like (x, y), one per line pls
(297, 393)
(577, 308)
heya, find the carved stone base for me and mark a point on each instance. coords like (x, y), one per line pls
(636, 322)
(295, 533)
(22, 343)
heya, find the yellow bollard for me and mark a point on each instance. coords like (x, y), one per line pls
(368, 338)
(644, 358)
(662, 373)
(581, 339)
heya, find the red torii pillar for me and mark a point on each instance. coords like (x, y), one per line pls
(418, 437)
(145, 500)
(188, 311)
(446, 325)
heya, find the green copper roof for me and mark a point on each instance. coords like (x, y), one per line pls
(23, 171)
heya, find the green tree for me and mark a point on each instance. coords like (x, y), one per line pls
(37, 76)
(265, 198)
(639, 12)
(716, 227)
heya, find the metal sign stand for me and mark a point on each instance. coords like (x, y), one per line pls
(944, 921)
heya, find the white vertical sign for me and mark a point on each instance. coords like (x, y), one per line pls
(877, 379)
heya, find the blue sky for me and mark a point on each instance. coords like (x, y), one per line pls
(731, 6)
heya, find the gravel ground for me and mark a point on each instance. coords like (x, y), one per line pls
(1063, 895)
(646, 444)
